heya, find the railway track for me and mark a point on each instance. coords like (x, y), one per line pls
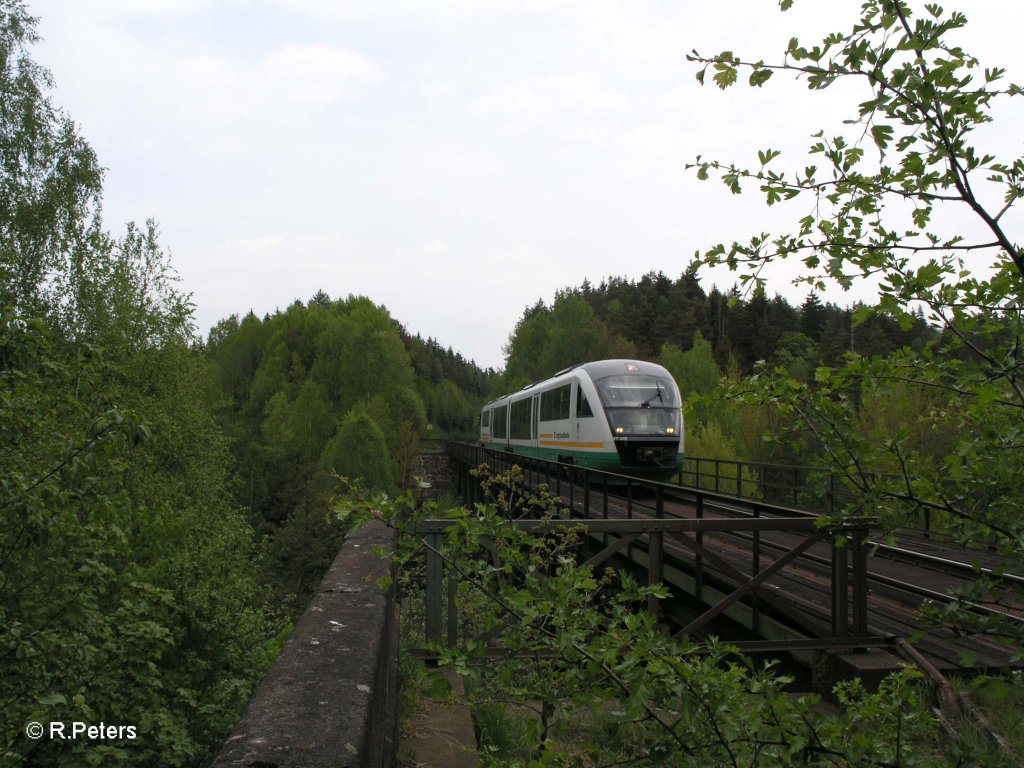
(902, 575)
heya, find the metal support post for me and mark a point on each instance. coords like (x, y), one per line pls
(840, 600)
(699, 560)
(435, 574)
(655, 553)
(586, 493)
(453, 612)
(755, 614)
(860, 583)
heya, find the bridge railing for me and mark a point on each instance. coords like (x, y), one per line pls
(641, 519)
(815, 489)
(848, 610)
(798, 486)
(791, 488)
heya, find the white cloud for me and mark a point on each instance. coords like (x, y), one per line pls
(262, 255)
(551, 94)
(547, 103)
(445, 158)
(388, 10)
(656, 141)
(119, 10)
(436, 247)
(318, 75)
(231, 102)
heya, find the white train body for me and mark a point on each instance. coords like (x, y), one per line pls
(613, 415)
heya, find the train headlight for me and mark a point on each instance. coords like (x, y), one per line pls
(620, 430)
(670, 430)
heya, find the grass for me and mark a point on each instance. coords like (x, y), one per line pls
(506, 735)
(509, 734)
(1001, 701)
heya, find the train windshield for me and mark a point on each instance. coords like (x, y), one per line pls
(640, 405)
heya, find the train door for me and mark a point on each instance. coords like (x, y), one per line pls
(485, 425)
(534, 431)
(555, 424)
(583, 421)
(575, 426)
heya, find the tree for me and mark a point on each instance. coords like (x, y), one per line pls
(359, 449)
(360, 354)
(127, 586)
(695, 370)
(52, 182)
(812, 317)
(546, 340)
(127, 583)
(525, 345)
(882, 197)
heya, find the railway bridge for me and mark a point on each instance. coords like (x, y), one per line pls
(789, 584)
(764, 575)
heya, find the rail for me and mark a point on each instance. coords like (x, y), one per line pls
(579, 487)
(643, 521)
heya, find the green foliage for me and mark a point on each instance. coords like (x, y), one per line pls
(707, 440)
(928, 428)
(547, 340)
(568, 640)
(451, 388)
(639, 318)
(506, 734)
(291, 379)
(1000, 699)
(359, 355)
(127, 584)
(49, 209)
(123, 294)
(296, 557)
(695, 369)
(126, 592)
(359, 449)
(323, 388)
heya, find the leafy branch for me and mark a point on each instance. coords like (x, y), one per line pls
(569, 642)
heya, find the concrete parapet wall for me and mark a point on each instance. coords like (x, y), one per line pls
(331, 697)
(435, 467)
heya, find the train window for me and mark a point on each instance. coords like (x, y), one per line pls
(499, 427)
(520, 419)
(485, 419)
(554, 404)
(582, 404)
(637, 391)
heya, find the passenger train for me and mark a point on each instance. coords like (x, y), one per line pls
(621, 416)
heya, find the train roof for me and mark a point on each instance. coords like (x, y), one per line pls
(597, 369)
(601, 368)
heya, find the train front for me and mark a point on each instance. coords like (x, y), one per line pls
(642, 404)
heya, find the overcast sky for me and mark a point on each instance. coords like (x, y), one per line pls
(454, 160)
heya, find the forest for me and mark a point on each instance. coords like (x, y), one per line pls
(642, 318)
(165, 497)
(339, 386)
(328, 388)
(713, 340)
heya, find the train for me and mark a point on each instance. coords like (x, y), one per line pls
(621, 416)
